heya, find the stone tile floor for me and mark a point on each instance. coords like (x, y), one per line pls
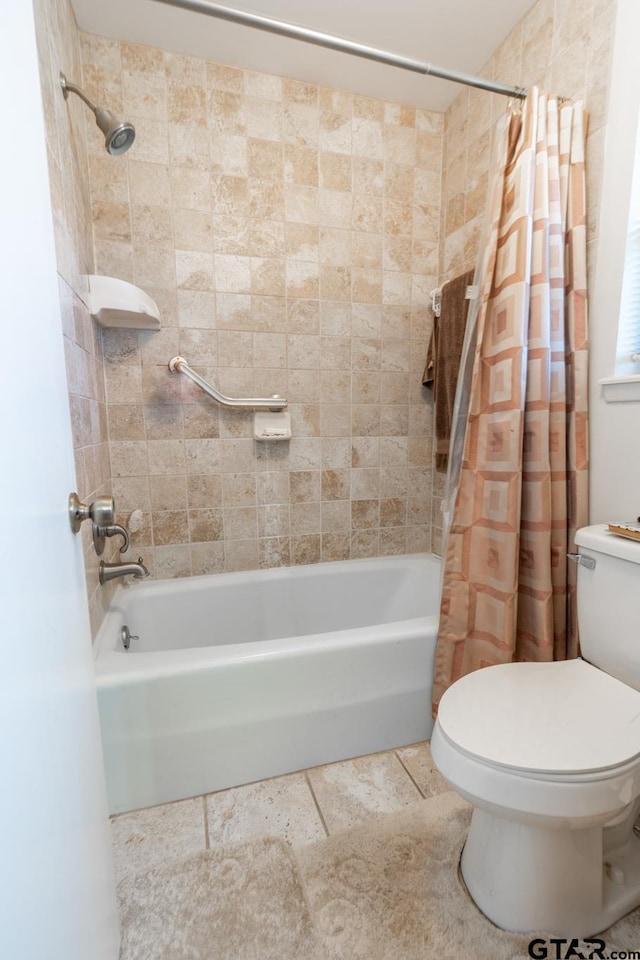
(299, 807)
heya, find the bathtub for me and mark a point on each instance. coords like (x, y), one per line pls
(238, 677)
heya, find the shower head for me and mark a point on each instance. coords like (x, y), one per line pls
(118, 135)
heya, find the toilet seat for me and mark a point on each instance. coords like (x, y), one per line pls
(563, 721)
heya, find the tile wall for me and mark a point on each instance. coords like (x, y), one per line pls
(59, 51)
(289, 234)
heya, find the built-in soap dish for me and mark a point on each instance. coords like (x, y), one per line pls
(117, 303)
(272, 425)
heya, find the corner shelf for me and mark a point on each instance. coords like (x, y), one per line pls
(117, 303)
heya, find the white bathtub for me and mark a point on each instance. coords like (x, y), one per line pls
(242, 676)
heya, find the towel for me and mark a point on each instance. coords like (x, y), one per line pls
(443, 359)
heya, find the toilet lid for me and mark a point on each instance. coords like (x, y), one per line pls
(566, 717)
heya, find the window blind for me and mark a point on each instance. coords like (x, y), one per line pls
(628, 345)
(628, 351)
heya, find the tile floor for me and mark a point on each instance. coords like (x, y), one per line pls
(299, 808)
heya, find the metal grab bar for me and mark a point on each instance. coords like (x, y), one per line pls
(254, 403)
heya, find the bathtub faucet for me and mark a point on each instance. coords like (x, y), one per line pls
(109, 571)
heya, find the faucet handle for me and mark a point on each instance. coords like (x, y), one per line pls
(111, 530)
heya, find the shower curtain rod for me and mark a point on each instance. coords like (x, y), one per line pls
(342, 45)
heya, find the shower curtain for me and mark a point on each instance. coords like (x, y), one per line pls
(517, 481)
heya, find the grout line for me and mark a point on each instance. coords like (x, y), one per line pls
(408, 773)
(207, 844)
(315, 800)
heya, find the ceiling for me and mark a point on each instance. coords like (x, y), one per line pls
(452, 34)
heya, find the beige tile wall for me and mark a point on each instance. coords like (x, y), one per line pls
(59, 50)
(289, 235)
(564, 46)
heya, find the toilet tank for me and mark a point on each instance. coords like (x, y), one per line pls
(609, 603)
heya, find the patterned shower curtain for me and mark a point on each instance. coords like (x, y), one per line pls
(508, 589)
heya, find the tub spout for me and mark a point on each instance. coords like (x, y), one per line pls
(109, 571)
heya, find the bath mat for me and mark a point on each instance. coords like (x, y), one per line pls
(392, 890)
(388, 890)
(238, 902)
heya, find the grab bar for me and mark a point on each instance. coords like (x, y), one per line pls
(255, 403)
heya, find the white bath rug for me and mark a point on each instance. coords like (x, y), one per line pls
(389, 890)
(239, 902)
(392, 891)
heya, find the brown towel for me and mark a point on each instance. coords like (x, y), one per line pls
(443, 359)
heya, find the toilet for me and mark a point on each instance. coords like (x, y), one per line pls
(548, 754)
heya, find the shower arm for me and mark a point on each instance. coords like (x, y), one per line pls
(341, 44)
(72, 88)
(252, 403)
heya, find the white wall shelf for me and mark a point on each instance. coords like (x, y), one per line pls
(117, 303)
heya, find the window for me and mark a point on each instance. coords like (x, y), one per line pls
(628, 344)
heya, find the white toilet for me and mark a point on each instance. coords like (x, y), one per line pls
(548, 754)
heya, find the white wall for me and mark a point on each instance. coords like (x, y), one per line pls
(615, 439)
